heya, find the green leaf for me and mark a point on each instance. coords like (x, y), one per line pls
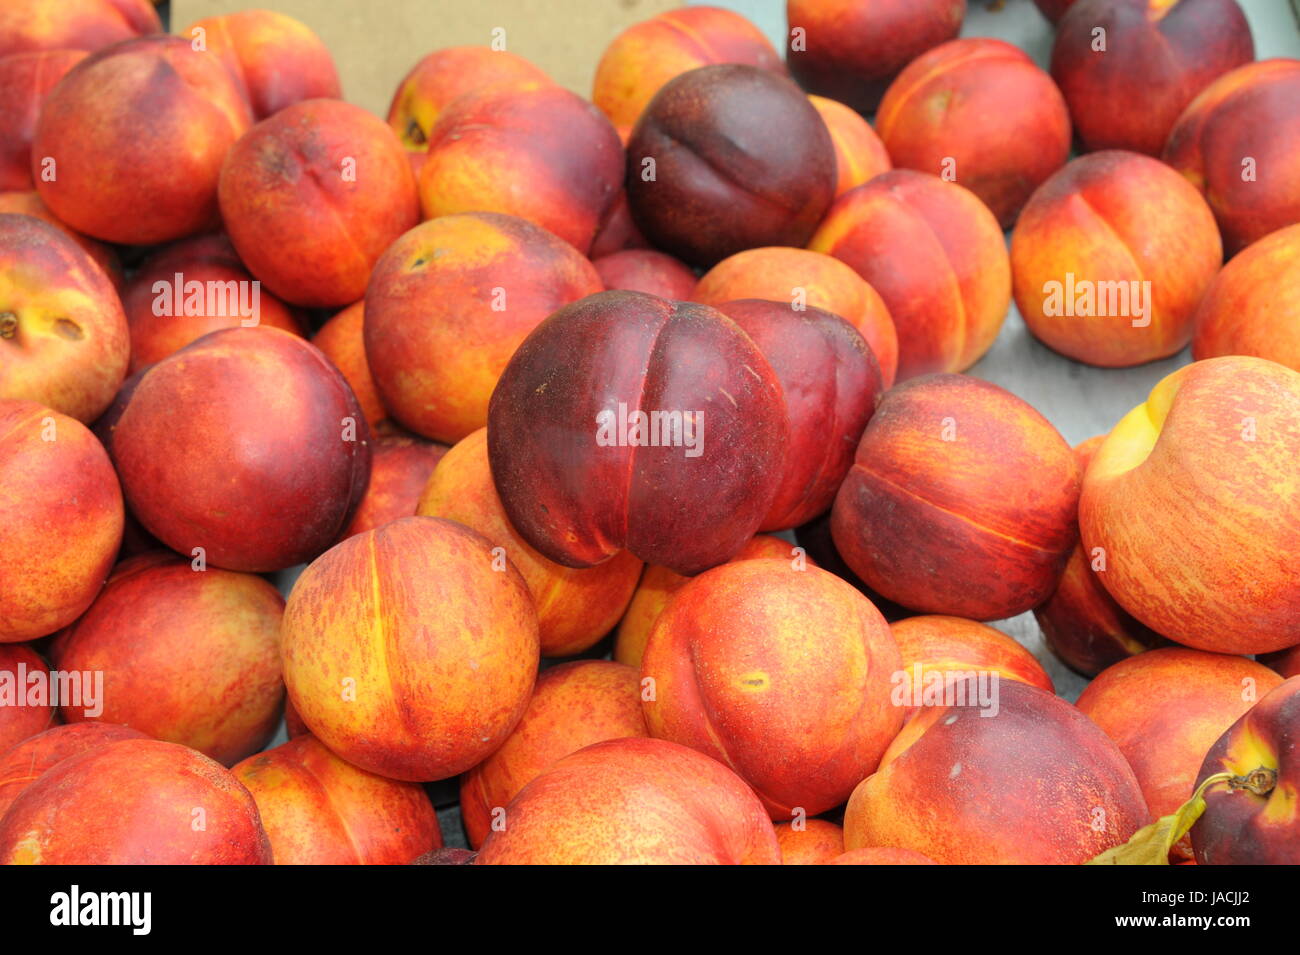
(1151, 844)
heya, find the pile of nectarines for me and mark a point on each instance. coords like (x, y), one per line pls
(630, 447)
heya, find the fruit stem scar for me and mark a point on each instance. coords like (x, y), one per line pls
(1258, 781)
(8, 325)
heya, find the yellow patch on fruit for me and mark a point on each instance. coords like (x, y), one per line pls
(1130, 442)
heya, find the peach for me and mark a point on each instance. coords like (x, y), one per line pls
(246, 449)
(576, 607)
(978, 111)
(1111, 257)
(400, 467)
(312, 196)
(25, 80)
(784, 676)
(1184, 563)
(342, 340)
(293, 724)
(1237, 143)
(442, 76)
(1252, 307)
(73, 24)
(859, 153)
(486, 143)
(882, 855)
(573, 706)
(597, 434)
(187, 656)
(448, 305)
(1254, 820)
(807, 278)
(961, 500)
(129, 145)
(815, 842)
(28, 203)
(618, 232)
(1165, 709)
(645, 270)
(634, 801)
(63, 335)
(185, 290)
(23, 764)
(936, 650)
(1053, 9)
(645, 56)
(658, 584)
(276, 59)
(726, 158)
(832, 383)
(1033, 782)
(23, 712)
(319, 810)
(1081, 622)
(850, 50)
(134, 802)
(1285, 662)
(1111, 54)
(411, 675)
(936, 256)
(60, 520)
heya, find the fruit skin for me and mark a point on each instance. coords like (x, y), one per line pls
(450, 302)
(783, 676)
(486, 143)
(25, 80)
(576, 607)
(1193, 497)
(132, 802)
(1122, 218)
(23, 764)
(400, 467)
(1054, 9)
(780, 274)
(137, 133)
(1240, 827)
(63, 336)
(645, 56)
(188, 657)
(1285, 662)
(859, 154)
(983, 105)
(955, 645)
(19, 718)
(1165, 708)
(817, 843)
(901, 232)
(439, 667)
(1161, 51)
(634, 801)
(553, 429)
(573, 706)
(1081, 622)
(441, 77)
(28, 203)
(73, 24)
(961, 500)
(312, 196)
(645, 270)
(342, 340)
(276, 60)
(658, 584)
(853, 50)
(1038, 783)
(882, 855)
(204, 464)
(61, 520)
(1248, 112)
(1252, 307)
(832, 383)
(319, 810)
(741, 160)
(206, 259)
